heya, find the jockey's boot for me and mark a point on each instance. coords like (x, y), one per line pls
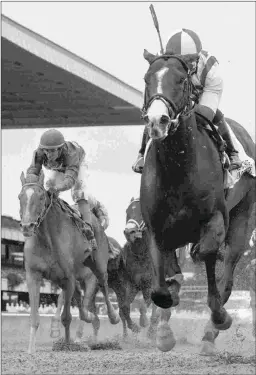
(139, 163)
(84, 209)
(235, 162)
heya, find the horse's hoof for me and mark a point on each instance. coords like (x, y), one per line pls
(55, 334)
(88, 317)
(135, 328)
(162, 298)
(114, 319)
(151, 333)
(77, 340)
(226, 324)
(144, 321)
(208, 348)
(165, 340)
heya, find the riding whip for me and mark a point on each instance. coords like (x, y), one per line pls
(153, 14)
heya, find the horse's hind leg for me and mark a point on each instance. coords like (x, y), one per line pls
(95, 323)
(236, 242)
(99, 268)
(90, 292)
(55, 322)
(66, 316)
(33, 283)
(84, 313)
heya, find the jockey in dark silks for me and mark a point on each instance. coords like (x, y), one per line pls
(208, 80)
(69, 169)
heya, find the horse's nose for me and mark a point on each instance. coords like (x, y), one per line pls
(27, 228)
(159, 119)
(130, 227)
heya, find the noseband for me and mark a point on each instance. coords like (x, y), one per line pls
(46, 209)
(141, 226)
(171, 106)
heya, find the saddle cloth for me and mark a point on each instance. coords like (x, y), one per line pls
(248, 164)
(231, 177)
(75, 214)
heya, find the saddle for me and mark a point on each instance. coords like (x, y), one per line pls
(75, 215)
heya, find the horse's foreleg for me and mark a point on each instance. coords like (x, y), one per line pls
(143, 313)
(33, 283)
(235, 241)
(165, 340)
(154, 319)
(66, 316)
(122, 316)
(160, 293)
(55, 322)
(212, 236)
(253, 307)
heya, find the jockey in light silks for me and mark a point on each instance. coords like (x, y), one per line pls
(207, 78)
(67, 162)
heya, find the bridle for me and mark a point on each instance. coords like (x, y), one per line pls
(46, 209)
(141, 226)
(190, 91)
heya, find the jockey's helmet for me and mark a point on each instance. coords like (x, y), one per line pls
(52, 139)
(183, 42)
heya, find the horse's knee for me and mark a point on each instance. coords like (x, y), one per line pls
(212, 235)
(66, 319)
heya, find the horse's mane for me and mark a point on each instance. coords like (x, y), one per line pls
(31, 179)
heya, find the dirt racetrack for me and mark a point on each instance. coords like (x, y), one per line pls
(236, 351)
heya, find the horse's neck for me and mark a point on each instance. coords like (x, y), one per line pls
(178, 152)
(55, 218)
(137, 249)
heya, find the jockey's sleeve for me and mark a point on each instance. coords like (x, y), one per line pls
(37, 162)
(212, 90)
(74, 156)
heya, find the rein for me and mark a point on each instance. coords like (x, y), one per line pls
(192, 94)
(46, 209)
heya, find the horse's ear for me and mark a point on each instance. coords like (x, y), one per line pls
(148, 56)
(22, 178)
(132, 199)
(41, 178)
(191, 60)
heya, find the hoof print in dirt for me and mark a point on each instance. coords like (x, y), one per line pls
(106, 345)
(230, 359)
(61, 346)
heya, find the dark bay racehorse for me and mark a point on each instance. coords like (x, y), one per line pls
(56, 249)
(138, 265)
(182, 190)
